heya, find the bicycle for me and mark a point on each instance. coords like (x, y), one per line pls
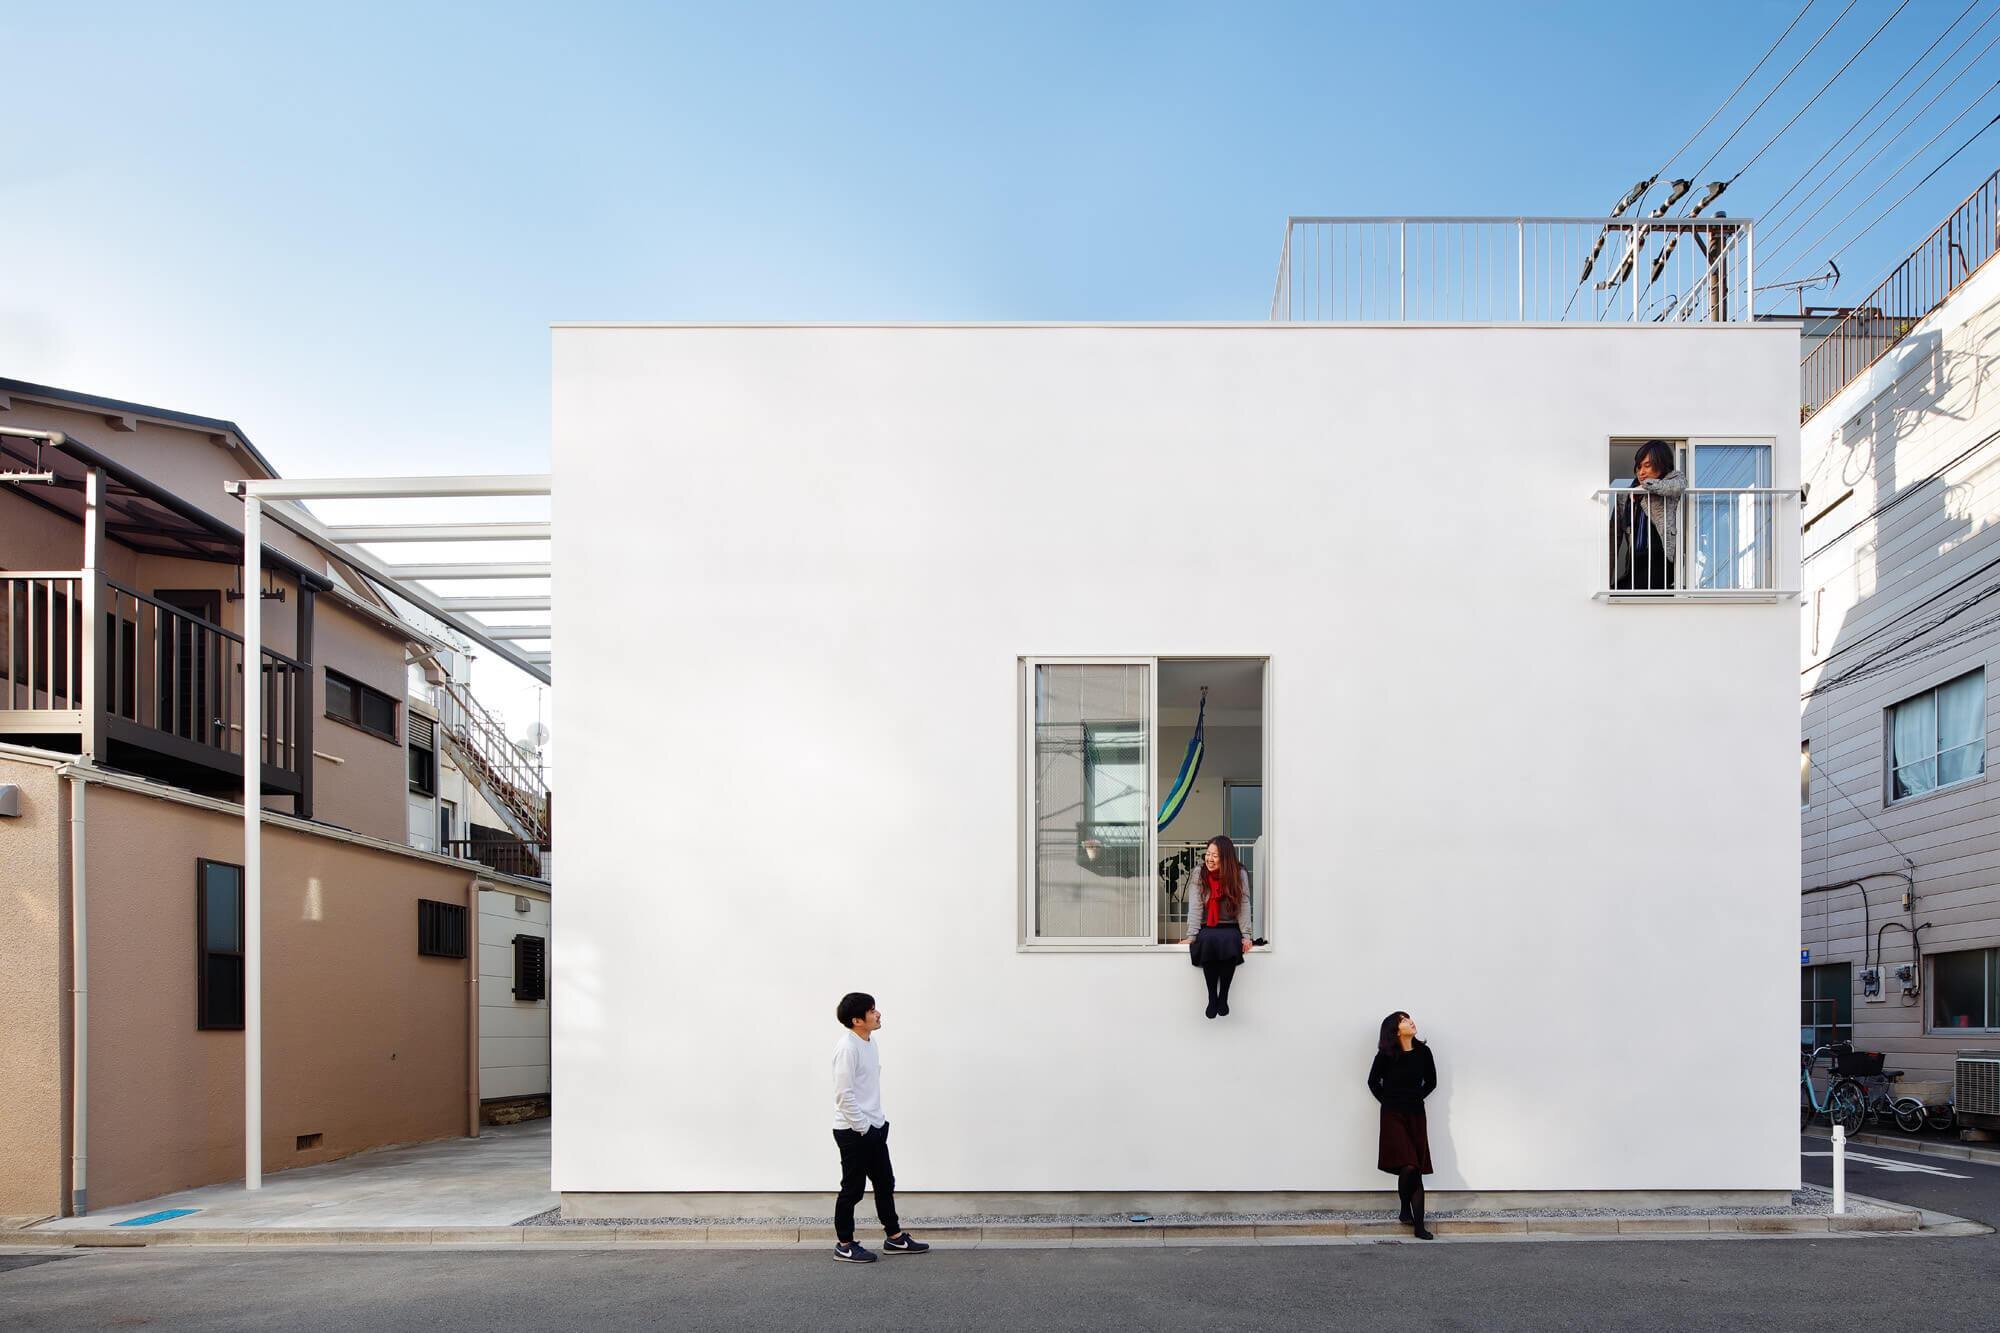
(1845, 1104)
(1859, 1075)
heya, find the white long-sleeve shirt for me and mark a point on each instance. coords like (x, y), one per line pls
(857, 1085)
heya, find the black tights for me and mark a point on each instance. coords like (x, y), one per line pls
(1218, 977)
(1410, 1189)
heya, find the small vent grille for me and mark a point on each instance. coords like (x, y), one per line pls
(422, 731)
(440, 929)
(1978, 1089)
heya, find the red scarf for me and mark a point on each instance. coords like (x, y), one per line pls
(1214, 898)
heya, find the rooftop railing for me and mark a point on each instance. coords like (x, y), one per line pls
(1515, 270)
(1920, 284)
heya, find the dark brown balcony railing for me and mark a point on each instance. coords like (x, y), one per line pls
(169, 682)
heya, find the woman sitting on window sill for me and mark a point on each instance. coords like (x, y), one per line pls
(1218, 911)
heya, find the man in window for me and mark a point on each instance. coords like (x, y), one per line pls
(1653, 519)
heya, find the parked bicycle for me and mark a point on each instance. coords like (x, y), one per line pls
(1859, 1074)
(1845, 1104)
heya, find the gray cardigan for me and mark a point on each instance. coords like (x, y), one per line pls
(1198, 903)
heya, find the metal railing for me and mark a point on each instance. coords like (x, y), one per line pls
(509, 857)
(175, 673)
(1919, 285)
(1718, 541)
(165, 673)
(1515, 270)
(41, 642)
(509, 780)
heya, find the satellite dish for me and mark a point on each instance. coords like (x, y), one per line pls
(537, 737)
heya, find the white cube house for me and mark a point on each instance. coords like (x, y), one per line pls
(882, 646)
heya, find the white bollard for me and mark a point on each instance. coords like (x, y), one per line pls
(1839, 1169)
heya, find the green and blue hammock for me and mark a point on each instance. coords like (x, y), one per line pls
(1183, 783)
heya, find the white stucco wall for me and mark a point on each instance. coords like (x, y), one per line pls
(1560, 832)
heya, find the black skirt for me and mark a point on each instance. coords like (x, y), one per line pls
(1406, 1143)
(1217, 946)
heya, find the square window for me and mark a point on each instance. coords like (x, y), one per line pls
(1960, 990)
(1938, 738)
(440, 929)
(358, 705)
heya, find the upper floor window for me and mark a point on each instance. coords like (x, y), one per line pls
(1938, 738)
(363, 706)
(422, 755)
(1691, 517)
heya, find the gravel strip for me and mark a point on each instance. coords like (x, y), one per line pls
(1806, 1202)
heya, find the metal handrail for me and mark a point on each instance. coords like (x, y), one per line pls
(1928, 277)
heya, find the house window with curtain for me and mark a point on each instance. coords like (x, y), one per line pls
(1129, 766)
(1937, 739)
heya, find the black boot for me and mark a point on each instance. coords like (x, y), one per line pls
(1403, 1197)
(1417, 1211)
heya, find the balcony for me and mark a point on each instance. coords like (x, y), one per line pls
(156, 689)
(1546, 270)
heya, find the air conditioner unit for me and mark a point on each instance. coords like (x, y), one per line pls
(1978, 1086)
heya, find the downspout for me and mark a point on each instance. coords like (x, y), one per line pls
(79, 991)
(472, 1012)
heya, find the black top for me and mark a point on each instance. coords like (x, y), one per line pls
(1401, 1079)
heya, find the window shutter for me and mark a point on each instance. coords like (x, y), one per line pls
(530, 967)
(422, 731)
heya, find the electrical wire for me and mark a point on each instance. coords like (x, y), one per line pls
(1779, 246)
(1906, 493)
(1822, 90)
(1697, 172)
(1858, 120)
(1762, 61)
(1900, 169)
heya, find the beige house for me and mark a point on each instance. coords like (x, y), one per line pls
(121, 766)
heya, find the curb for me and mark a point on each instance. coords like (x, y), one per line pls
(1890, 1220)
(1923, 1147)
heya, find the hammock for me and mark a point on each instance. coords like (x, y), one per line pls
(1183, 783)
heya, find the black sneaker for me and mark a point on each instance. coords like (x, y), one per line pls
(904, 1244)
(852, 1252)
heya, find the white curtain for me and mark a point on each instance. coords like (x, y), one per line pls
(1961, 728)
(1913, 745)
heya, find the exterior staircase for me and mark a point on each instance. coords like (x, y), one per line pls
(504, 776)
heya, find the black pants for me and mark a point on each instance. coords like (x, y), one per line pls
(864, 1161)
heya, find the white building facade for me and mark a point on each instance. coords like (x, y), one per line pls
(929, 610)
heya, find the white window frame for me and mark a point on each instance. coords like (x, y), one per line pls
(1889, 797)
(1784, 535)
(1026, 940)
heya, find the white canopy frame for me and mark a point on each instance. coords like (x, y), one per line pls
(281, 500)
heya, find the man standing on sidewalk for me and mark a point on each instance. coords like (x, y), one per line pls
(862, 1133)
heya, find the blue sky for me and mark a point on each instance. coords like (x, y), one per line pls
(348, 228)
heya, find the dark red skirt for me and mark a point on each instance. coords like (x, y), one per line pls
(1406, 1143)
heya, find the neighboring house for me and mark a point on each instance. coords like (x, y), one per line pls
(940, 603)
(121, 762)
(1900, 650)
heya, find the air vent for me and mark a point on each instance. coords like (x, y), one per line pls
(307, 1142)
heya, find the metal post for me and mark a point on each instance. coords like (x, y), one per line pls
(253, 849)
(1749, 234)
(1402, 271)
(1839, 1169)
(1521, 269)
(90, 593)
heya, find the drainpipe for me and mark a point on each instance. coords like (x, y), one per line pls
(472, 1012)
(79, 991)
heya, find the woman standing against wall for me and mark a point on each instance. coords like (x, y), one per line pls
(1218, 920)
(1401, 1077)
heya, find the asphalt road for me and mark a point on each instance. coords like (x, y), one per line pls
(1718, 1284)
(1942, 1184)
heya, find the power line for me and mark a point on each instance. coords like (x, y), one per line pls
(1909, 70)
(1822, 91)
(1777, 247)
(1904, 165)
(1696, 173)
(1765, 58)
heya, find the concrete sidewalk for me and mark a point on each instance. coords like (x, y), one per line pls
(494, 1180)
(494, 1190)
